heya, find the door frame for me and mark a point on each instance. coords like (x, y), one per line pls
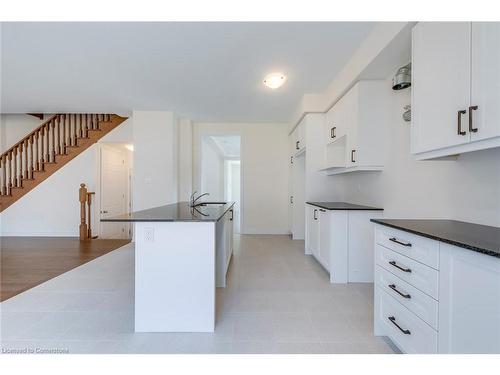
(98, 196)
(198, 156)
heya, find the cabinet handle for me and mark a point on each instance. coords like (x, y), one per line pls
(393, 321)
(393, 287)
(394, 239)
(393, 263)
(471, 126)
(297, 145)
(352, 156)
(322, 210)
(291, 159)
(315, 216)
(291, 199)
(104, 212)
(332, 132)
(232, 215)
(459, 122)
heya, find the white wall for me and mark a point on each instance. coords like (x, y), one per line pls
(14, 127)
(467, 188)
(185, 133)
(264, 169)
(52, 208)
(212, 171)
(155, 159)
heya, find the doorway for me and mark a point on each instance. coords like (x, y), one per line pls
(221, 171)
(115, 166)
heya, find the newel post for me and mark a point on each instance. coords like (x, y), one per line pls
(83, 221)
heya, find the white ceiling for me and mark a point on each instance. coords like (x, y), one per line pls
(207, 71)
(229, 145)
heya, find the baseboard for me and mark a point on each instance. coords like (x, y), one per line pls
(260, 231)
(39, 234)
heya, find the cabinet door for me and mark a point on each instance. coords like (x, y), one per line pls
(485, 85)
(331, 125)
(324, 238)
(440, 84)
(313, 231)
(469, 301)
(350, 120)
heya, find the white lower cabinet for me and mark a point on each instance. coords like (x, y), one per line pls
(410, 333)
(342, 242)
(432, 297)
(469, 301)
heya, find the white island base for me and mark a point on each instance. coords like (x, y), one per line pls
(175, 276)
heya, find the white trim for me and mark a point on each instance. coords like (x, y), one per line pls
(41, 234)
(266, 232)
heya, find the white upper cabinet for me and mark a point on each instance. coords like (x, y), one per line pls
(355, 129)
(485, 81)
(455, 88)
(440, 85)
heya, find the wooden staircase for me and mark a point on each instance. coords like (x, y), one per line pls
(48, 148)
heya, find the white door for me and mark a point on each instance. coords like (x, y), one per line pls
(113, 191)
(485, 85)
(440, 84)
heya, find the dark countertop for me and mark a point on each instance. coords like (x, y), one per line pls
(343, 206)
(481, 238)
(180, 211)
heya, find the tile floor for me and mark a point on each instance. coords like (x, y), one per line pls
(278, 301)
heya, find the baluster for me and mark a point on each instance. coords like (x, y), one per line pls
(25, 147)
(42, 147)
(37, 158)
(72, 130)
(86, 125)
(46, 139)
(9, 184)
(19, 171)
(4, 175)
(14, 175)
(80, 126)
(55, 129)
(31, 158)
(63, 143)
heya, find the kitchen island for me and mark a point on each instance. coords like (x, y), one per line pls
(181, 254)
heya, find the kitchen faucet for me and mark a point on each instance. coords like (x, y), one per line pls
(194, 200)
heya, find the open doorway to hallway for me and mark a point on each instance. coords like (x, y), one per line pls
(221, 171)
(115, 188)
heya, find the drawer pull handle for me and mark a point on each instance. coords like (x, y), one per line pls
(393, 263)
(394, 239)
(393, 287)
(393, 321)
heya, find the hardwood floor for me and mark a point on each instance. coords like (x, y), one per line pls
(29, 261)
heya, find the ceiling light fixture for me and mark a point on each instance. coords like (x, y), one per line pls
(274, 80)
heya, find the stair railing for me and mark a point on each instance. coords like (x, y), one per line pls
(51, 138)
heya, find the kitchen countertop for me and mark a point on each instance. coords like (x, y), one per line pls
(480, 238)
(180, 211)
(343, 206)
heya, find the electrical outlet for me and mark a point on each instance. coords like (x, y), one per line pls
(149, 234)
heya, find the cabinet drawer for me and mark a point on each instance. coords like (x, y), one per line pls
(406, 330)
(423, 250)
(416, 274)
(425, 307)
